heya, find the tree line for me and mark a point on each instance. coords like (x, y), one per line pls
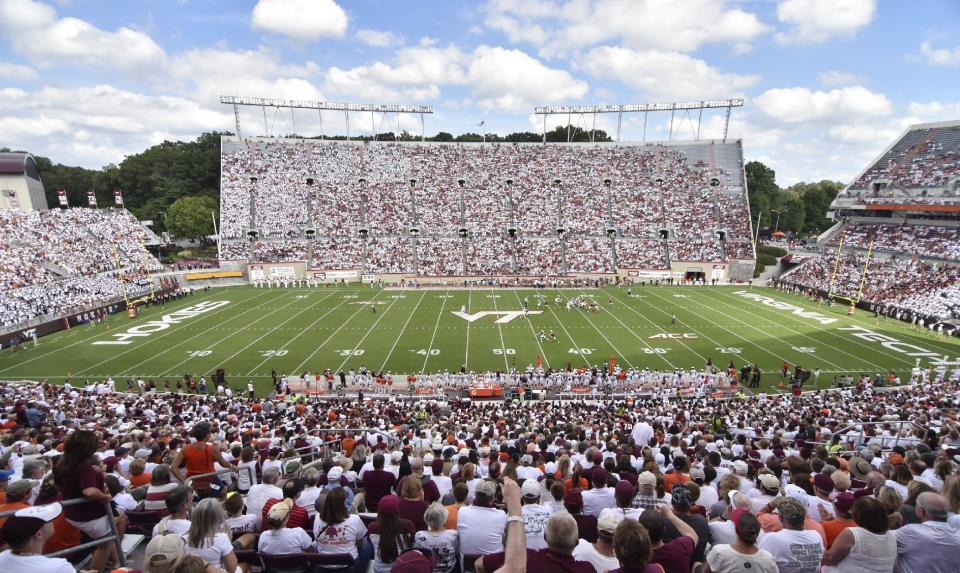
(176, 184)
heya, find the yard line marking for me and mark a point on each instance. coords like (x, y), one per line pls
(402, 330)
(169, 371)
(901, 325)
(731, 330)
(575, 345)
(301, 330)
(168, 333)
(372, 326)
(503, 347)
(540, 346)
(615, 349)
(466, 357)
(332, 334)
(817, 340)
(435, 327)
(640, 338)
(187, 302)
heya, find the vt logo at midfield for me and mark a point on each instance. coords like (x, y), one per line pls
(505, 315)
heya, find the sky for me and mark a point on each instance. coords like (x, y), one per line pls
(828, 84)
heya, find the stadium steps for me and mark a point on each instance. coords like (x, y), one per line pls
(829, 234)
(56, 269)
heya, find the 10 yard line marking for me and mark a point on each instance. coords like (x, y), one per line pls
(402, 330)
(96, 334)
(435, 327)
(171, 331)
(332, 334)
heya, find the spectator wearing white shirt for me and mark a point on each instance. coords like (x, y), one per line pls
(600, 496)
(279, 539)
(480, 526)
(535, 516)
(930, 546)
(600, 554)
(260, 493)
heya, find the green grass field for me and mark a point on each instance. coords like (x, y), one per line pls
(295, 330)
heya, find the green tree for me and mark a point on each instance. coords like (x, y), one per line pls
(763, 190)
(792, 215)
(189, 217)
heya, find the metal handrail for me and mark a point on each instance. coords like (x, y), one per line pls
(860, 441)
(114, 534)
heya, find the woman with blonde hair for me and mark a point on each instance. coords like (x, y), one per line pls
(727, 483)
(563, 467)
(951, 492)
(891, 501)
(279, 539)
(139, 477)
(412, 504)
(208, 539)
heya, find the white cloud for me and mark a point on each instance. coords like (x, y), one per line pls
(301, 20)
(940, 56)
(818, 20)
(683, 25)
(935, 110)
(799, 104)
(663, 75)
(35, 31)
(379, 38)
(417, 74)
(16, 72)
(838, 78)
(514, 81)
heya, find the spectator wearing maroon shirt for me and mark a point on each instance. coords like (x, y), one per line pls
(377, 483)
(412, 504)
(561, 536)
(78, 478)
(675, 555)
(631, 544)
(298, 515)
(586, 524)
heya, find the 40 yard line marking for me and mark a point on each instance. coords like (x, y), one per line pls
(402, 330)
(575, 345)
(332, 334)
(435, 327)
(143, 317)
(615, 349)
(171, 331)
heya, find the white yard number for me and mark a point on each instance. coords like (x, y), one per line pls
(580, 351)
(424, 352)
(727, 350)
(301, 296)
(269, 353)
(348, 352)
(655, 350)
(502, 351)
(805, 349)
(349, 296)
(196, 353)
(399, 296)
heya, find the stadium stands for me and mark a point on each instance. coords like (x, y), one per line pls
(52, 261)
(525, 209)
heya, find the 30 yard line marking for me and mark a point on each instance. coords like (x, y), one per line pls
(168, 333)
(503, 346)
(540, 346)
(301, 330)
(436, 325)
(575, 345)
(187, 301)
(372, 326)
(811, 323)
(334, 333)
(402, 330)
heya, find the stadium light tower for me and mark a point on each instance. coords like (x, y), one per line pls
(346, 108)
(682, 106)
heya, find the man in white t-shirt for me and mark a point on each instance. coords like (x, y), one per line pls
(535, 516)
(260, 493)
(796, 550)
(600, 554)
(600, 497)
(25, 532)
(480, 526)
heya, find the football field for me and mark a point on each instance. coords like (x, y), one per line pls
(249, 331)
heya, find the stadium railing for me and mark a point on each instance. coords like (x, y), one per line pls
(114, 536)
(862, 440)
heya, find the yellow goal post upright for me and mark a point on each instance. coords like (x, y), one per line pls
(863, 277)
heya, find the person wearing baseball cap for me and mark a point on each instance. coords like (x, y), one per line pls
(842, 504)
(25, 532)
(624, 495)
(586, 524)
(601, 554)
(5, 476)
(769, 486)
(742, 554)
(820, 504)
(535, 516)
(793, 547)
(601, 496)
(646, 497)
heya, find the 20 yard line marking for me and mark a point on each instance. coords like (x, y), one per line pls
(402, 330)
(339, 328)
(435, 327)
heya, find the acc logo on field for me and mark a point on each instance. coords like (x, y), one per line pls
(674, 336)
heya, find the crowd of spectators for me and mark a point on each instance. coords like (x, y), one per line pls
(785, 483)
(923, 158)
(283, 188)
(916, 240)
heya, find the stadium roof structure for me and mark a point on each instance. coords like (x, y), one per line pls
(19, 163)
(346, 108)
(683, 106)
